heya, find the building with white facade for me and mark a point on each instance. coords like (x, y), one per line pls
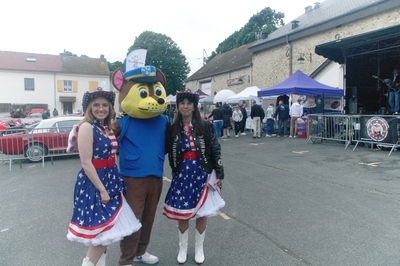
(30, 80)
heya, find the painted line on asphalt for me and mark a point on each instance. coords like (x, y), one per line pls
(223, 215)
(299, 152)
(371, 164)
(3, 230)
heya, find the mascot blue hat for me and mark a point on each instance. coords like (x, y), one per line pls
(145, 74)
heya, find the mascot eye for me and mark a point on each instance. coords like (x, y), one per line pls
(143, 93)
(158, 91)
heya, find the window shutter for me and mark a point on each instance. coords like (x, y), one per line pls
(74, 86)
(93, 85)
(60, 85)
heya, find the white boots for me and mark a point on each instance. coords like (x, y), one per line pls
(101, 262)
(183, 245)
(87, 262)
(199, 254)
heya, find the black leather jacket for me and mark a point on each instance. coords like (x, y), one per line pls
(207, 147)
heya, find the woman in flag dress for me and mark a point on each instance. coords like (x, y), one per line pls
(194, 151)
(101, 215)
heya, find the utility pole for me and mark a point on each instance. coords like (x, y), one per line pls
(205, 57)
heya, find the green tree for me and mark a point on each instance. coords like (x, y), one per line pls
(163, 53)
(264, 22)
(67, 53)
(114, 66)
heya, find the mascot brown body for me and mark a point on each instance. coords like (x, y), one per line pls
(141, 132)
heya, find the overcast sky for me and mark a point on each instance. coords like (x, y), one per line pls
(110, 27)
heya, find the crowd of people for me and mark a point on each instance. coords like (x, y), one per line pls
(280, 121)
(22, 113)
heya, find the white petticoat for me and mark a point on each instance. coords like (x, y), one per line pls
(213, 203)
(126, 224)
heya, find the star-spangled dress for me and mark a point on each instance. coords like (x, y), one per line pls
(94, 223)
(188, 196)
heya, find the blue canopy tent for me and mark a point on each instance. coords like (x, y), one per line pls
(301, 84)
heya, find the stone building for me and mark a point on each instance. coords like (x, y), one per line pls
(325, 22)
(292, 47)
(231, 70)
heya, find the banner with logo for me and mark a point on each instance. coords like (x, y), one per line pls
(379, 129)
(135, 59)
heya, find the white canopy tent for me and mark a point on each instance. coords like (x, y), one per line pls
(171, 99)
(222, 96)
(246, 94)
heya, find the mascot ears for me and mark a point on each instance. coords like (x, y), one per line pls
(118, 78)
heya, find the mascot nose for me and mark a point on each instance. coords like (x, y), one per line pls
(161, 101)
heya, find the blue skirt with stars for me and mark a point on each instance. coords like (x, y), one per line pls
(188, 196)
(94, 223)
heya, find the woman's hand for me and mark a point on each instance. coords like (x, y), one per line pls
(219, 182)
(104, 197)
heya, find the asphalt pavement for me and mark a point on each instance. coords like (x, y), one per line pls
(287, 203)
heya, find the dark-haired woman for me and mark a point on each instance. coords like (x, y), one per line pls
(194, 151)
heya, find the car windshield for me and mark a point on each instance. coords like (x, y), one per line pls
(35, 114)
(31, 127)
(63, 126)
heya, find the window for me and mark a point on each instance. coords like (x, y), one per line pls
(67, 85)
(64, 126)
(29, 84)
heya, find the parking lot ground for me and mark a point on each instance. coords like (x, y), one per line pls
(287, 203)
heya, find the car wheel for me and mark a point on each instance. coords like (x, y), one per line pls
(35, 151)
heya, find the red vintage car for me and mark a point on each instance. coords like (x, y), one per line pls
(50, 136)
(9, 123)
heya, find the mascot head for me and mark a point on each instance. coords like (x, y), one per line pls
(142, 94)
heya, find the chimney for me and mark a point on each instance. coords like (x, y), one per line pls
(264, 35)
(317, 5)
(295, 24)
(308, 9)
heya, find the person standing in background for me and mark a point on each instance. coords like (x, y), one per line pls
(218, 117)
(255, 114)
(296, 111)
(282, 114)
(227, 116)
(55, 112)
(237, 117)
(270, 121)
(242, 107)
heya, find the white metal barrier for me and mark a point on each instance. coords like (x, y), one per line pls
(33, 145)
(322, 127)
(382, 131)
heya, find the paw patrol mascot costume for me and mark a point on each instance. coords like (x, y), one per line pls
(141, 132)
